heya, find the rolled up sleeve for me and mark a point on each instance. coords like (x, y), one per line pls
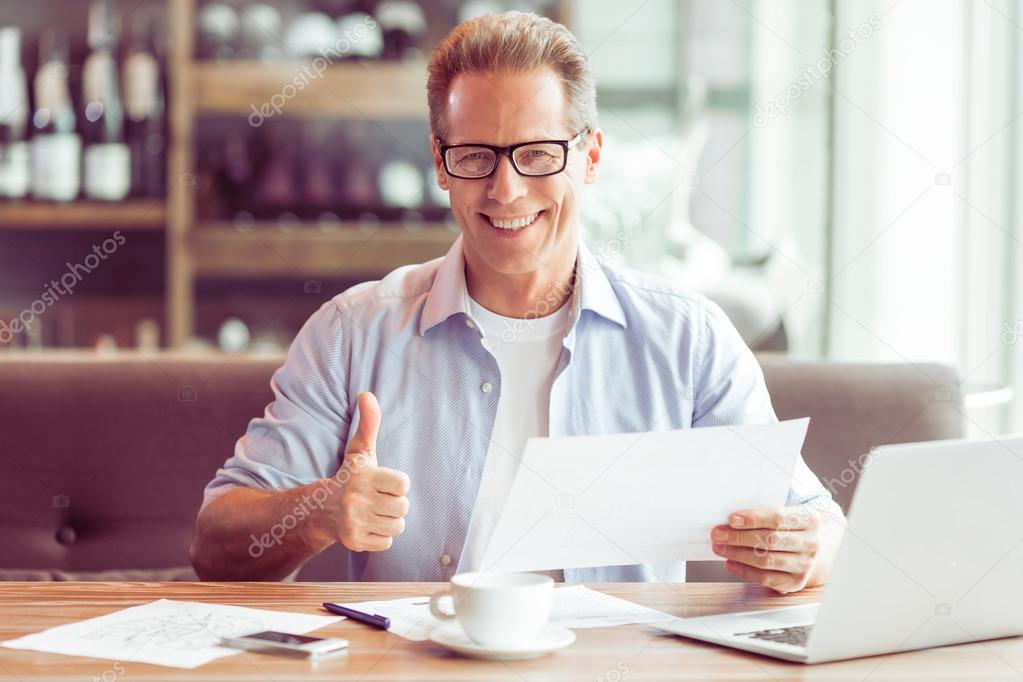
(301, 436)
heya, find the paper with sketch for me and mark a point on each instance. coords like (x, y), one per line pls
(179, 634)
(638, 498)
(574, 607)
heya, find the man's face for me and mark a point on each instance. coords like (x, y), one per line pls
(504, 109)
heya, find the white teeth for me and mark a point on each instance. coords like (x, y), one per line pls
(515, 224)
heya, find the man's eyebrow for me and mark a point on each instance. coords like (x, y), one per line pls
(533, 138)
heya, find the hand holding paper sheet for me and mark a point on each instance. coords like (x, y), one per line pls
(638, 498)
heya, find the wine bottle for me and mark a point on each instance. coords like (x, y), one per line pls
(236, 165)
(403, 25)
(360, 37)
(358, 187)
(14, 163)
(260, 26)
(56, 147)
(318, 172)
(310, 34)
(400, 184)
(336, 8)
(233, 336)
(277, 186)
(217, 26)
(107, 166)
(145, 118)
(474, 8)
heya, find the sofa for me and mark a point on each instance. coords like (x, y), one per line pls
(105, 456)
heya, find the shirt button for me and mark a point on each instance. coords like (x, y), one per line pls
(469, 323)
(445, 559)
(486, 387)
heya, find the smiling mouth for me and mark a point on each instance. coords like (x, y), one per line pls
(513, 223)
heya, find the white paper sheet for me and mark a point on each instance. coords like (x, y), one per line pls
(179, 634)
(575, 607)
(638, 498)
(579, 607)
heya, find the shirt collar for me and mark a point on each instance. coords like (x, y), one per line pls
(595, 291)
(449, 295)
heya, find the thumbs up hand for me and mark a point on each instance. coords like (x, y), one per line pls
(371, 505)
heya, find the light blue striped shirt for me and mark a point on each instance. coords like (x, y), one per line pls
(641, 354)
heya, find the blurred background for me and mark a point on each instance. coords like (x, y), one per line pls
(198, 175)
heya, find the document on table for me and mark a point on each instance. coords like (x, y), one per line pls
(179, 634)
(574, 607)
(638, 498)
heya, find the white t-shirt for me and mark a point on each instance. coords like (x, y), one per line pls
(527, 353)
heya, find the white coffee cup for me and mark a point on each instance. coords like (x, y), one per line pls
(497, 609)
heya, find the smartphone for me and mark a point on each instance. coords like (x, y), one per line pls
(287, 643)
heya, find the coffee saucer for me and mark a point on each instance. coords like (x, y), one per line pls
(551, 638)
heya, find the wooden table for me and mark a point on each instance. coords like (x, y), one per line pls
(621, 654)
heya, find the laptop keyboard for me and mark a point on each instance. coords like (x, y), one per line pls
(795, 635)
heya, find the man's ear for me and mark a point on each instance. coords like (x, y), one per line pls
(595, 144)
(443, 181)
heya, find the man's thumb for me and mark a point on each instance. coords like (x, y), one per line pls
(365, 439)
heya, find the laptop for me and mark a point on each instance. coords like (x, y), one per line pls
(932, 555)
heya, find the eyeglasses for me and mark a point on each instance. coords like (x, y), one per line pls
(531, 159)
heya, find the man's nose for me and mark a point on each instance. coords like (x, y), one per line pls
(505, 185)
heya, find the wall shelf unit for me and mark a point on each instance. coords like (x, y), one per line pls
(219, 252)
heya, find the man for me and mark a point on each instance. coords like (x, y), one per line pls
(404, 403)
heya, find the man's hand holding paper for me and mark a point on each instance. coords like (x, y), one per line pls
(786, 548)
(656, 497)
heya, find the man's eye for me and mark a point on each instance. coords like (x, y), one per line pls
(471, 157)
(537, 154)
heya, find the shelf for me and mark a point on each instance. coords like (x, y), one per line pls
(142, 214)
(345, 252)
(373, 90)
(80, 319)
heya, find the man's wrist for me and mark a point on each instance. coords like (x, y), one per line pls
(313, 517)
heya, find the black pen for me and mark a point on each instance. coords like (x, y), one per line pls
(377, 621)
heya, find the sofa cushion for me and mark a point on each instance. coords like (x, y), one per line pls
(180, 574)
(106, 457)
(854, 407)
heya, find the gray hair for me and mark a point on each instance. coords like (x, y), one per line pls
(512, 42)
